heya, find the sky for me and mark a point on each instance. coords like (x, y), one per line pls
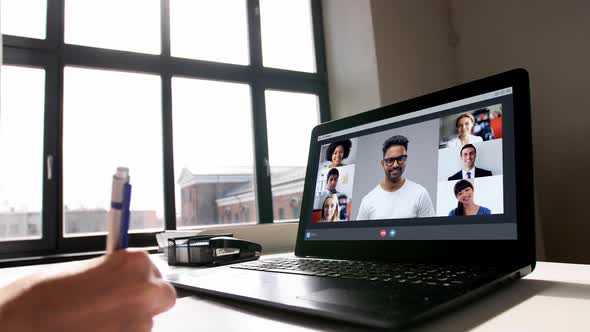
(200, 29)
(21, 138)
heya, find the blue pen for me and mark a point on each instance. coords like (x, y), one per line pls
(118, 215)
(125, 215)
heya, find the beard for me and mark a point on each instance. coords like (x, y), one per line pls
(394, 174)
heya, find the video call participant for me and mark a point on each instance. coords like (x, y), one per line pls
(330, 209)
(337, 152)
(464, 125)
(468, 154)
(342, 201)
(331, 182)
(395, 196)
(466, 207)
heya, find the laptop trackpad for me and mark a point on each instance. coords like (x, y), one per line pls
(367, 299)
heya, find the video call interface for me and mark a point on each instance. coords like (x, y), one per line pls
(435, 174)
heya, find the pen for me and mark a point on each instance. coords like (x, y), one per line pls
(125, 215)
(118, 215)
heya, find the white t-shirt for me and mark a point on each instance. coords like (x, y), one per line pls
(409, 201)
(456, 142)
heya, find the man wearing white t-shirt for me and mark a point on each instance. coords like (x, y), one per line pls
(396, 196)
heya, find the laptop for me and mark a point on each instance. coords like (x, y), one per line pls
(408, 210)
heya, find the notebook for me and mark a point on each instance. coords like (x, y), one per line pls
(408, 210)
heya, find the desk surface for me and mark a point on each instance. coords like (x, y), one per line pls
(555, 296)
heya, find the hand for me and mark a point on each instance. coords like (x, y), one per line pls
(118, 292)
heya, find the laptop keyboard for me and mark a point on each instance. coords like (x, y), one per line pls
(452, 276)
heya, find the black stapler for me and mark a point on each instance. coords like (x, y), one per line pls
(211, 250)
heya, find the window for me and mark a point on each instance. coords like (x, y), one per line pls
(290, 119)
(25, 18)
(111, 119)
(209, 30)
(130, 25)
(213, 152)
(21, 145)
(287, 35)
(195, 97)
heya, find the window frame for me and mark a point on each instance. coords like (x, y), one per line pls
(20, 58)
(54, 55)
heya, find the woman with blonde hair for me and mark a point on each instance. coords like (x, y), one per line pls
(330, 209)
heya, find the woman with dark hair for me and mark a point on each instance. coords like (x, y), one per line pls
(466, 206)
(330, 209)
(337, 152)
(464, 124)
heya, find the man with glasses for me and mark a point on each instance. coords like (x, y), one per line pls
(395, 196)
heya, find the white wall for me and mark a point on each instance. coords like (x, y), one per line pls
(383, 51)
(551, 39)
(350, 50)
(414, 49)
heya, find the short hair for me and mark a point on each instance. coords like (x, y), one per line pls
(346, 144)
(333, 171)
(464, 115)
(469, 145)
(395, 140)
(461, 185)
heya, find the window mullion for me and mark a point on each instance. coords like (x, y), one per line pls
(318, 35)
(324, 106)
(261, 161)
(55, 23)
(168, 153)
(167, 130)
(165, 28)
(56, 26)
(52, 177)
(254, 35)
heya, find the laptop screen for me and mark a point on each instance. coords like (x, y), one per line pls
(441, 173)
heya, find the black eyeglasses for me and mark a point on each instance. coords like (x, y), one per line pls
(400, 160)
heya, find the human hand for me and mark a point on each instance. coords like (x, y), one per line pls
(119, 292)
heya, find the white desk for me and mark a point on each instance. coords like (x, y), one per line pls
(554, 297)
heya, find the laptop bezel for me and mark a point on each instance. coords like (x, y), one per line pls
(519, 252)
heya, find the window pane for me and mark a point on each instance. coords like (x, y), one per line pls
(111, 119)
(26, 18)
(129, 25)
(209, 30)
(290, 118)
(21, 145)
(287, 35)
(213, 153)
